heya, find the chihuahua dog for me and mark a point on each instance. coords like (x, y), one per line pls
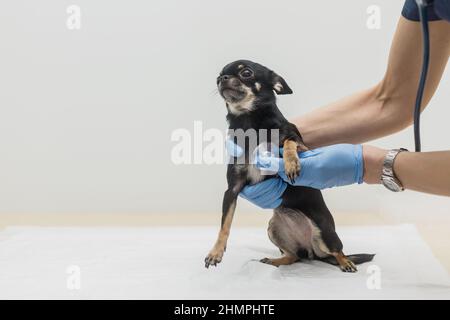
(302, 227)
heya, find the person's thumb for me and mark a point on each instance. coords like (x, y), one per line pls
(269, 163)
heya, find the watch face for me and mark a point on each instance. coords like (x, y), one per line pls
(391, 184)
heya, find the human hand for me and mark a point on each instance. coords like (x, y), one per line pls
(321, 168)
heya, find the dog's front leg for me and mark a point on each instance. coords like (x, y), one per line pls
(291, 160)
(229, 205)
(292, 143)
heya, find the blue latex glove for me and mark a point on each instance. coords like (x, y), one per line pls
(265, 194)
(321, 168)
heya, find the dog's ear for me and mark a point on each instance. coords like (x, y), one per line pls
(279, 85)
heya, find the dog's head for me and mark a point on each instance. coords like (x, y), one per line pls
(242, 82)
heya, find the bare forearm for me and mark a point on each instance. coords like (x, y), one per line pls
(420, 171)
(387, 107)
(359, 118)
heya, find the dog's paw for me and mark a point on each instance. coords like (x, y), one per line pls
(283, 261)
(268, 261)
(214, 257)
(291, 166)
(348, 266)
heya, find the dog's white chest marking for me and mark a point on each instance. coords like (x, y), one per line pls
(254, 174)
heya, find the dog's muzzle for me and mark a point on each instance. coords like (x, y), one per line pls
(230, 88)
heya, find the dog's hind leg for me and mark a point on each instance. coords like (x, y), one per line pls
(287, 230)
(283, 261)
(345, 263)
(326, 242)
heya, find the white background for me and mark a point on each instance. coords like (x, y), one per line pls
(86, 116)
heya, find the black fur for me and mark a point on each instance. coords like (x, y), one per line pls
(264, 114)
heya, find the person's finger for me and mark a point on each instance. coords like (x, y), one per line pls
(269, 163)
(257, 189)
(266, 194)
(233, 149)
(310, 153)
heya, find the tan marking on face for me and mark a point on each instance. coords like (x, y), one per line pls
(244, 105)
(258, 86)
(278, 87)
(240, 66)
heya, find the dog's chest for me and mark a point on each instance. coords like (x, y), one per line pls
(250, 172)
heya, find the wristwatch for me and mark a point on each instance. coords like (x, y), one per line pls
(388, 178)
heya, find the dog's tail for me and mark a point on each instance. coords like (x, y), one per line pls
(355, 258)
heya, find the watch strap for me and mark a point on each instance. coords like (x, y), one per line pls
(388, 168)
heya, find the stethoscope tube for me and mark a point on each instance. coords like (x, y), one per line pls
(422, 6)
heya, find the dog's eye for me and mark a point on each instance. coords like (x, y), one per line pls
(246, 73)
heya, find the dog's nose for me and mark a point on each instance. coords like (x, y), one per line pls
(224, 78)
(228, 80)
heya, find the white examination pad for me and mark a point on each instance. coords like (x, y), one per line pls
(167, 263)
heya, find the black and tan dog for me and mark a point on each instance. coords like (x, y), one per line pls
(302, 227)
